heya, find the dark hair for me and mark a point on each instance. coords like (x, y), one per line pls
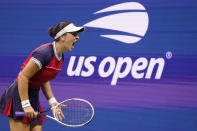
(53, 31)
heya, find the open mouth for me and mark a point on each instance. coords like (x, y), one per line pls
(73, 44)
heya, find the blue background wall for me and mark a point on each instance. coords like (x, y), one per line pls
(167, 104)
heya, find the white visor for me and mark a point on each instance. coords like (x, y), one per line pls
(69, 28)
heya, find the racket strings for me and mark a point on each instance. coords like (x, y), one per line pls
(76, 112)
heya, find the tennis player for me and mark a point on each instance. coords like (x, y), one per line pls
(42, 65)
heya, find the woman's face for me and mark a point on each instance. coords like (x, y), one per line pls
(69, 40)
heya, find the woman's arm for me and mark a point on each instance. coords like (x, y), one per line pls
(30, 69)
(47, 91)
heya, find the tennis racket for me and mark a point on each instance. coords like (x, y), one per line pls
(77, 112)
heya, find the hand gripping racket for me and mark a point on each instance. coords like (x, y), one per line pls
(77, 112)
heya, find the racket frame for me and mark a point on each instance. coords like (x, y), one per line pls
(79, 99)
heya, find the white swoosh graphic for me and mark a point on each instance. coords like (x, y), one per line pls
(122, 6)
(123, 38)
(130, 22)
(134, 23)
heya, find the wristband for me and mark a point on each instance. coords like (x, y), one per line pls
(52, 100)
(25, 103)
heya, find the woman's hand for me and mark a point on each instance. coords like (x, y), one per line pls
(57, 112)
(29, 112)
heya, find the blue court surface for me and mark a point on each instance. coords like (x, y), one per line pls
(129, 120)
(123, 115)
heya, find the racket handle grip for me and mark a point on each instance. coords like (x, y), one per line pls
(19, 114)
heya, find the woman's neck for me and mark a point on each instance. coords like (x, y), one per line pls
(59, 49)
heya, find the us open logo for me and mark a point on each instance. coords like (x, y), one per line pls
(130, 22)
(133, 22)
